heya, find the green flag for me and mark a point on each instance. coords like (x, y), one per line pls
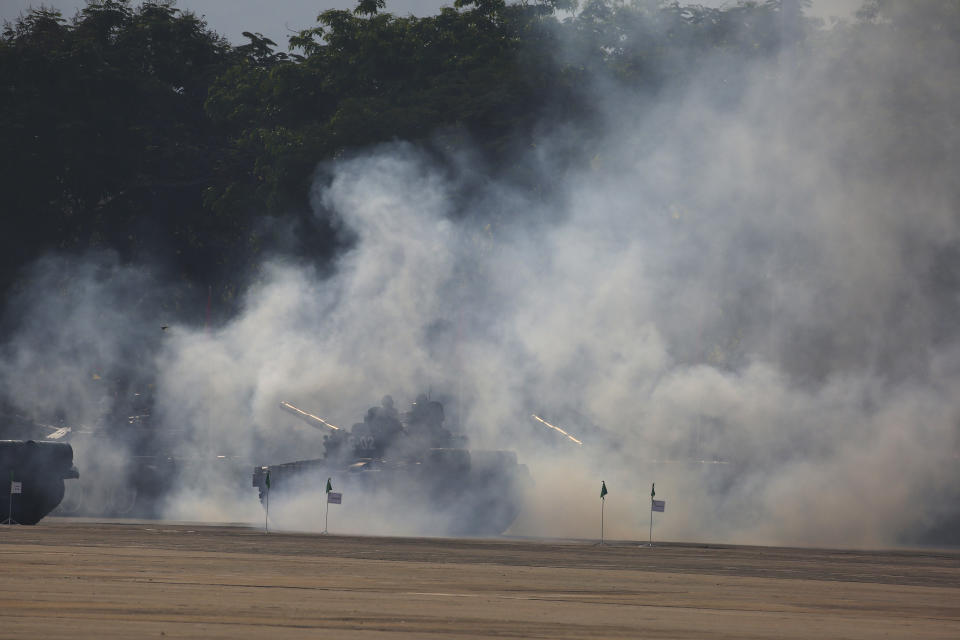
(652, 491)
(603, 489)
(268, 479)
(329, 486)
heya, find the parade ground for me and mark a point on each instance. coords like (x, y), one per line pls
(85, 579)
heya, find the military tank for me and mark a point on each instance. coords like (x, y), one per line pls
(37, 471)
(410, 464)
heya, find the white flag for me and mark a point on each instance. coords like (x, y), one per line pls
(16, 487)
(334, 498)
(658, 505)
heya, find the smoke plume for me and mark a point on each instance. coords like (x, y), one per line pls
(747, 297)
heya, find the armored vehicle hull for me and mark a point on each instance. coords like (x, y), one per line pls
(412, 472)
(449, 492)
(39, 469)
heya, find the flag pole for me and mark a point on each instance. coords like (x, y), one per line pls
(326, 495)
(652, 494)
(10, 502)
(603, 502)
(650, 541)
(266, 516)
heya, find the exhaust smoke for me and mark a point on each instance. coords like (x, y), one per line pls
(750, 291)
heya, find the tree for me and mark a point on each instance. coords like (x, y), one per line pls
(106, 139)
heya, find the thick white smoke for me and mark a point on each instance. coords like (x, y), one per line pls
(751, 290)
(83, 343)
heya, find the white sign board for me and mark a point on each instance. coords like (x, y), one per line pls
(16, 487)
(334, 498)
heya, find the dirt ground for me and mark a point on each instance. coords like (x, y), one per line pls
(80, 579)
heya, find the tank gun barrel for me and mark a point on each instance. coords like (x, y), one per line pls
(56, 433)
(556, 428)
(314, 421)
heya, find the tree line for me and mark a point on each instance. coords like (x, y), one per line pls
(137, 129)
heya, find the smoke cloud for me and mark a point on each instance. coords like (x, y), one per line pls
(748, 298)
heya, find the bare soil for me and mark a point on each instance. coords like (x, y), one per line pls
(81, 579)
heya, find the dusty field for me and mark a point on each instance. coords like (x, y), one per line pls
(73, 579)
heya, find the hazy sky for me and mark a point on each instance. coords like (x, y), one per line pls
(278, 19)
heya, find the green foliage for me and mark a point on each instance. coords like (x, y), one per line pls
(135, 128)
(365, 77)
(106, 141)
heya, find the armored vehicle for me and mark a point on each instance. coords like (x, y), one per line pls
(31, 478)
(407, 465)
